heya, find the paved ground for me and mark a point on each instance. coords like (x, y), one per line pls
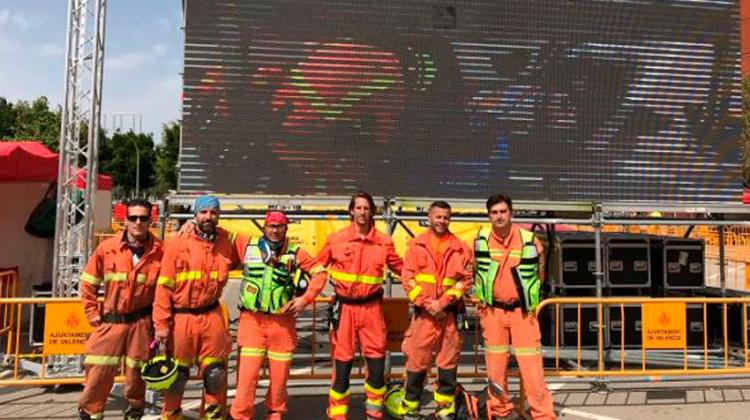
(699, 400)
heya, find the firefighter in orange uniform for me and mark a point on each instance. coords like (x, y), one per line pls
(128, 265)
(437, 272)
(356, 258)
(187, 312)
(272, 274)
(508, 263)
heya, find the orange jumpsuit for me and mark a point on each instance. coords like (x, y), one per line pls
(262, 335)
(125, 329)
(513, 330)
(434, 269)
(356, 266)
(193, 274)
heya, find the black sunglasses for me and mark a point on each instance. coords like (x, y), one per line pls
(141, 218)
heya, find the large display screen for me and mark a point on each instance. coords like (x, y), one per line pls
(541, 99)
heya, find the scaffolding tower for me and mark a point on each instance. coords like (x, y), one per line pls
(79, 136)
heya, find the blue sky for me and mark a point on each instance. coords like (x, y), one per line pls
(142, 64)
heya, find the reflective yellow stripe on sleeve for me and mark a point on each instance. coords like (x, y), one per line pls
(457, 293)
(448, 282)
(165, 281)
(116, 276)
(317, 269)
(414, 292)
(132, 363)
(88, 278)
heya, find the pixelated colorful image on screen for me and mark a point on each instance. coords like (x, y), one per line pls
(544, 100)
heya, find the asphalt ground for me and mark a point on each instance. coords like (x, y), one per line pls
(685, 400)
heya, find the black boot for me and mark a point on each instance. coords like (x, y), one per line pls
(133, 413)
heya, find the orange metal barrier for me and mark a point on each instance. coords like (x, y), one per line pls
(8, 289)
(312, 359)
(716, 355)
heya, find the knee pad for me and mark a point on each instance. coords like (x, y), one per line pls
(341, 378)
(178, 386)
(375, 372)
(414, 385)
(214, 378)
(446, 381)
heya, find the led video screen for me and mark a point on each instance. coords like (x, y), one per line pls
(541, 99)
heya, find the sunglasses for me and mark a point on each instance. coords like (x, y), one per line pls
(141, 218)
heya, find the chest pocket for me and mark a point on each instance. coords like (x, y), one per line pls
(343, 254)
(424, 262)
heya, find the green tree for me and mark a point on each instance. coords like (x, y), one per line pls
(118, 157)
(7, 119)
(36, 121)
(167, 155)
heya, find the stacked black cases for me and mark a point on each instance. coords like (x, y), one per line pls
(569, 326)
(627, 261)
(678, 263)
(573, 261)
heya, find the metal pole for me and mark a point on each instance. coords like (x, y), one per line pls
(722, 274)
(597, 223)
(389, 218)
(137, 167)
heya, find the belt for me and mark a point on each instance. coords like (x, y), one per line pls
(508, 306)
(128, 318)
(360, 300)
(197, 311)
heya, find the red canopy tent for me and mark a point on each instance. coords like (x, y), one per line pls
(31, 161)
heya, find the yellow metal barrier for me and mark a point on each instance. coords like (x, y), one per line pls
(308, 364)
(726, 360)
(8, 289)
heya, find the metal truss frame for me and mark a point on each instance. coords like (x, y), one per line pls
(396, 210)
(79, 138)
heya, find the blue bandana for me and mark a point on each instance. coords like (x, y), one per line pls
(205, 202)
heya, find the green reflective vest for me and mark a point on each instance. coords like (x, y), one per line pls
(267, 288)
(525, 275)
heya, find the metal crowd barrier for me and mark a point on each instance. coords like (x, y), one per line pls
(712, 352)
(715, 353)
(31, 365)
(8, 289)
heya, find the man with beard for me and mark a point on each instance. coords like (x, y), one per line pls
(128, 266)
(187, 314)
(356, 258)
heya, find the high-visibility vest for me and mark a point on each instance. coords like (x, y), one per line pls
(525, 275)
(267, 288)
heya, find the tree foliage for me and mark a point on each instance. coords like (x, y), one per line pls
(30, 121)
(167, 155)
(118, 157)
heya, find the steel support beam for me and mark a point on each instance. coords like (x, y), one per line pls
(79, 137)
